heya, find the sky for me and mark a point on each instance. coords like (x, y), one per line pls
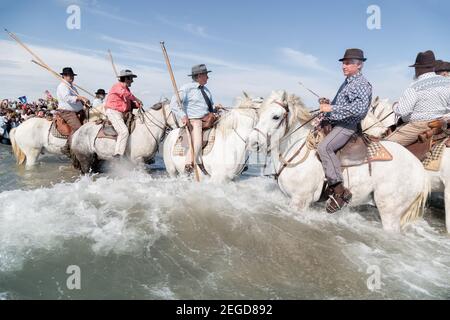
(252, 46)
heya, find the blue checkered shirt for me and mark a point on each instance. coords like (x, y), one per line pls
(352, 102)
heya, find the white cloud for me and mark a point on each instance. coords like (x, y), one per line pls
(196, 30)
(21, 77)
(192, 58)
(107, 14)
(301, 59)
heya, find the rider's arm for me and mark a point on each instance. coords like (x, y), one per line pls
(64, 93)
(180, 113)
(406, 103)
(359, 101)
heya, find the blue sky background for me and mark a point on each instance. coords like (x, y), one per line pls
(250, 45)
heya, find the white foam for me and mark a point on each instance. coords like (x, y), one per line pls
(129, 213)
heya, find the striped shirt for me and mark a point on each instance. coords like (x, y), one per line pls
(426, 99)
(352, 102)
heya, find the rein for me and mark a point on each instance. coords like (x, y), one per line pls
(143, 116)
(288, 163)
(381, 121)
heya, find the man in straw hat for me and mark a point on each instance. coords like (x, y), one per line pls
(426, 99)
(70, 104)
(442, 68)
(120, 101)
(344, 113)
(197, 102)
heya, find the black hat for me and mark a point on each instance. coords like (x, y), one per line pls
(425, 60)
(441, 66)
(68, 71)
(199, 69)
(101, 91)
(357, 54)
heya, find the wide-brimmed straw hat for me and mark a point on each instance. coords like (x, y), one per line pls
(127, 73)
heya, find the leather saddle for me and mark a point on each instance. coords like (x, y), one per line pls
(360, 149)
(428, 139)
(59, 127)
(184, 139)
(107, 130)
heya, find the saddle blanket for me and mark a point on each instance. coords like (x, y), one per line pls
(181, 146)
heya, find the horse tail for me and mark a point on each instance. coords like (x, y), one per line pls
(417, 207)
(18, 153)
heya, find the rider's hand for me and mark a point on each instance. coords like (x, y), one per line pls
(324, 101)
(139, 103)
(325, 107)
(83, 100)
(219, 107)
(185, 120)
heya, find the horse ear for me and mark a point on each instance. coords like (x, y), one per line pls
(284, 96)
(246, 95)
(376, 101)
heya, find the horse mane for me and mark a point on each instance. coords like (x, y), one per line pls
(299, 112)
(242, 106)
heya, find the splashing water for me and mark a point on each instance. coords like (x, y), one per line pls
(135, 235)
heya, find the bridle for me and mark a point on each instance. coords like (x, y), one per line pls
(266, 136)
(165, 127)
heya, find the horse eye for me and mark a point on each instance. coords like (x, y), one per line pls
(276, 118)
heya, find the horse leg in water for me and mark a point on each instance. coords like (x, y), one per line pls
(32, 155)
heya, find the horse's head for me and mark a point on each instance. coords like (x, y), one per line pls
(242, 118)
(379, 118)
(278, 113)
(161, 114)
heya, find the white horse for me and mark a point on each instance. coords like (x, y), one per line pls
(399, 187)
(228, 155)
(142, 143)
(30, 138)
(440, 180)
(33, 136)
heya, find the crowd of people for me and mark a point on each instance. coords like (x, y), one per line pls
(13, 113)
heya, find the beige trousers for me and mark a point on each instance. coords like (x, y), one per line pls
(408, 134)
(119, 125)
(197, 141)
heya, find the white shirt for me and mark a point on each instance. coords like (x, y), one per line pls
(67, 99)
(97, 102)
(426, 99)
(2, 125)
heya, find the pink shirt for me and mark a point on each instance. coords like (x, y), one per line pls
(119, 98)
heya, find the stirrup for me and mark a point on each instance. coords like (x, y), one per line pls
(188, 169)
(337, 202)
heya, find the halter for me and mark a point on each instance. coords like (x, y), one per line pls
(159, 124)
(285, 119)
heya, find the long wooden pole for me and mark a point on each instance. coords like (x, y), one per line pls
(175, 88)
(112, 63)
(40, 61)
